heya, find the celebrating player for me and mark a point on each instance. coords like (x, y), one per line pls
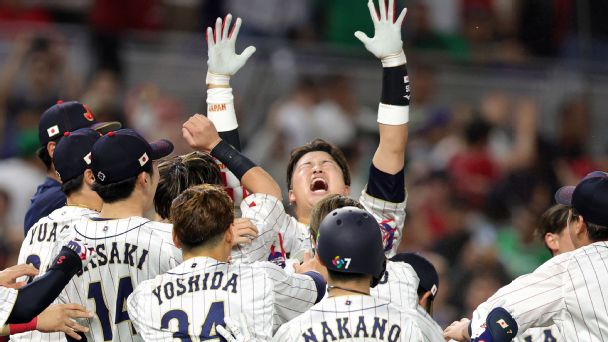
(130, 248)
(72, 160)
(189, 301)
(54, 122)
(563, 291)
(350, 245)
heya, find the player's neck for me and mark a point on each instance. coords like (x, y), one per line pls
(303, 215)
(122, 209)
(218, 253)
(84, 200)
(348, 288)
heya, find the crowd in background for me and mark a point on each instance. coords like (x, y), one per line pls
(479, 174)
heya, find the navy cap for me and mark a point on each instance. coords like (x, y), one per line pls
(124, 154)
(589, 198)
(73, 153)
(429, 279)
(67, 117)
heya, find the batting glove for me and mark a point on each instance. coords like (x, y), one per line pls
(223, 61)
(234, 333)
(84, 251)
(386, 43)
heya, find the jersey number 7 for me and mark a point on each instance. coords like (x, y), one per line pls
(214, 317)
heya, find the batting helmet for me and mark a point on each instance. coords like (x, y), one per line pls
(349, 241)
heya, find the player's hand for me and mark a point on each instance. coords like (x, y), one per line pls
(235, 332)
(223, 59)
(60, 317)
(244, 231)
(458, 330)
(84, 251)
(311, 264)
(386, 43)
(200, 133)
(9, 276)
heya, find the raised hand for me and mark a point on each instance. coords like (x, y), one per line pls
(386, 43)
(221, 41)
(200, 133)
(244, 231)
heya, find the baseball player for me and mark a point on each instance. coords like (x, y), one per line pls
(350, 245)
(409, 281)
(130, 248)
(54, 122)
(25, 309)
(191, 300)
(567, 290)
(72, 159)
(319, 168)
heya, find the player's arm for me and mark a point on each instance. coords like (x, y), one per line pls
(55, 318)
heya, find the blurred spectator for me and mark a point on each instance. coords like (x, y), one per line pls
(22, 13)
(10, 239)
(104, 96)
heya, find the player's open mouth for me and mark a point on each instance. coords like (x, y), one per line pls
(318, 185)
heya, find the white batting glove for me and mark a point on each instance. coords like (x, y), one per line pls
(235, 333)
(84, 251)
(386, 43)
(223, 61)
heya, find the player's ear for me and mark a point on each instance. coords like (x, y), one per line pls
(229, 234)
(552, 242)
(291, 197)
(175, 240)
(89, 178)
(424, 299)
(346, 191)
(50, 148)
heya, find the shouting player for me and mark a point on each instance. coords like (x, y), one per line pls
(567, 290)
(191, 300)
(72, 160)
(130, 248)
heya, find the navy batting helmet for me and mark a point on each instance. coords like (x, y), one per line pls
(349, 241)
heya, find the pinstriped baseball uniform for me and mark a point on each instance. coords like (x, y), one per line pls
(568, 291)
(191, 299)
(8, 297)
(352, 318)
(431, 331)
(548, 334)
(399, 285)
(37, 249)
(129, 251)
(390, 216)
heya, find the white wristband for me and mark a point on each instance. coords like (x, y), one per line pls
(220, 109)
(393, 115)
(217, 79)
(392, 60)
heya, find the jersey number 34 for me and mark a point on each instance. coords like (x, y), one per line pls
(214, 317)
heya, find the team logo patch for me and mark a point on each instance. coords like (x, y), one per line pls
(502, 323)
(434, 289)
(388, 231)
(341, 262)
(101, 176)
(52, 131)
(88, 115)
(143, 159)
(87, 158)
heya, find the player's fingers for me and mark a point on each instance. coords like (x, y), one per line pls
(247, 53)
(225, 334)
(70, 332)
(16, 286)
(382, 9)
(210, 39)
(22, 270)
(235, 30)
(390, 10)
(362, 37)
(226, 26)
(401, 17)
(372, 12)
(234, 328)
(217, 34)
(78, 327)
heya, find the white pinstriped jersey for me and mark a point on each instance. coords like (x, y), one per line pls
(352, 318)
(431, 331)
(191, 299)
(547, 334)
(37, 249)
(399, 285)
(129, 251)
(568, 291)
(291, 238)
(8, 297)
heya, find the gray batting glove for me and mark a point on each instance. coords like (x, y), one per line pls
(386, 43)
(235, 333)
(223, 59)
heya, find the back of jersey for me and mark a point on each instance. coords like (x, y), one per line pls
(355, 318)
(129, 251)
(189, 301)
(399, 285)
(37, 249)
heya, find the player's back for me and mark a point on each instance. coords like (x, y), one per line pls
(546, 334)
(399, 285)
(129, 251)
(352, 318)
(37, 249)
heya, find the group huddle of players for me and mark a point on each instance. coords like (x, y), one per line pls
(330, 272)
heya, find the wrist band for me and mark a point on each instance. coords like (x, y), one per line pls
(217, 79)
(237, 163)
(392, 60)
(393, 115)
(24, 327)
(395, 86)
(220, 109)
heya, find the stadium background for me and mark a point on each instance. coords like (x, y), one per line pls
(508, 104)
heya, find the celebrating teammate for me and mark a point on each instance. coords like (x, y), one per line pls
(130, 248)
(563, 291)
(189, 301)
(54, 122)
(72, 160)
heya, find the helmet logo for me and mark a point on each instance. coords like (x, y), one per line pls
(341, 262)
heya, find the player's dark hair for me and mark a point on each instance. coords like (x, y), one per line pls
(596, 232)
(73, 185)
(313, 146)
(341, 276)
(325, 206)
(181, 172)
(201, 215)
(554, 220)
(118, 191)
(43, 154)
